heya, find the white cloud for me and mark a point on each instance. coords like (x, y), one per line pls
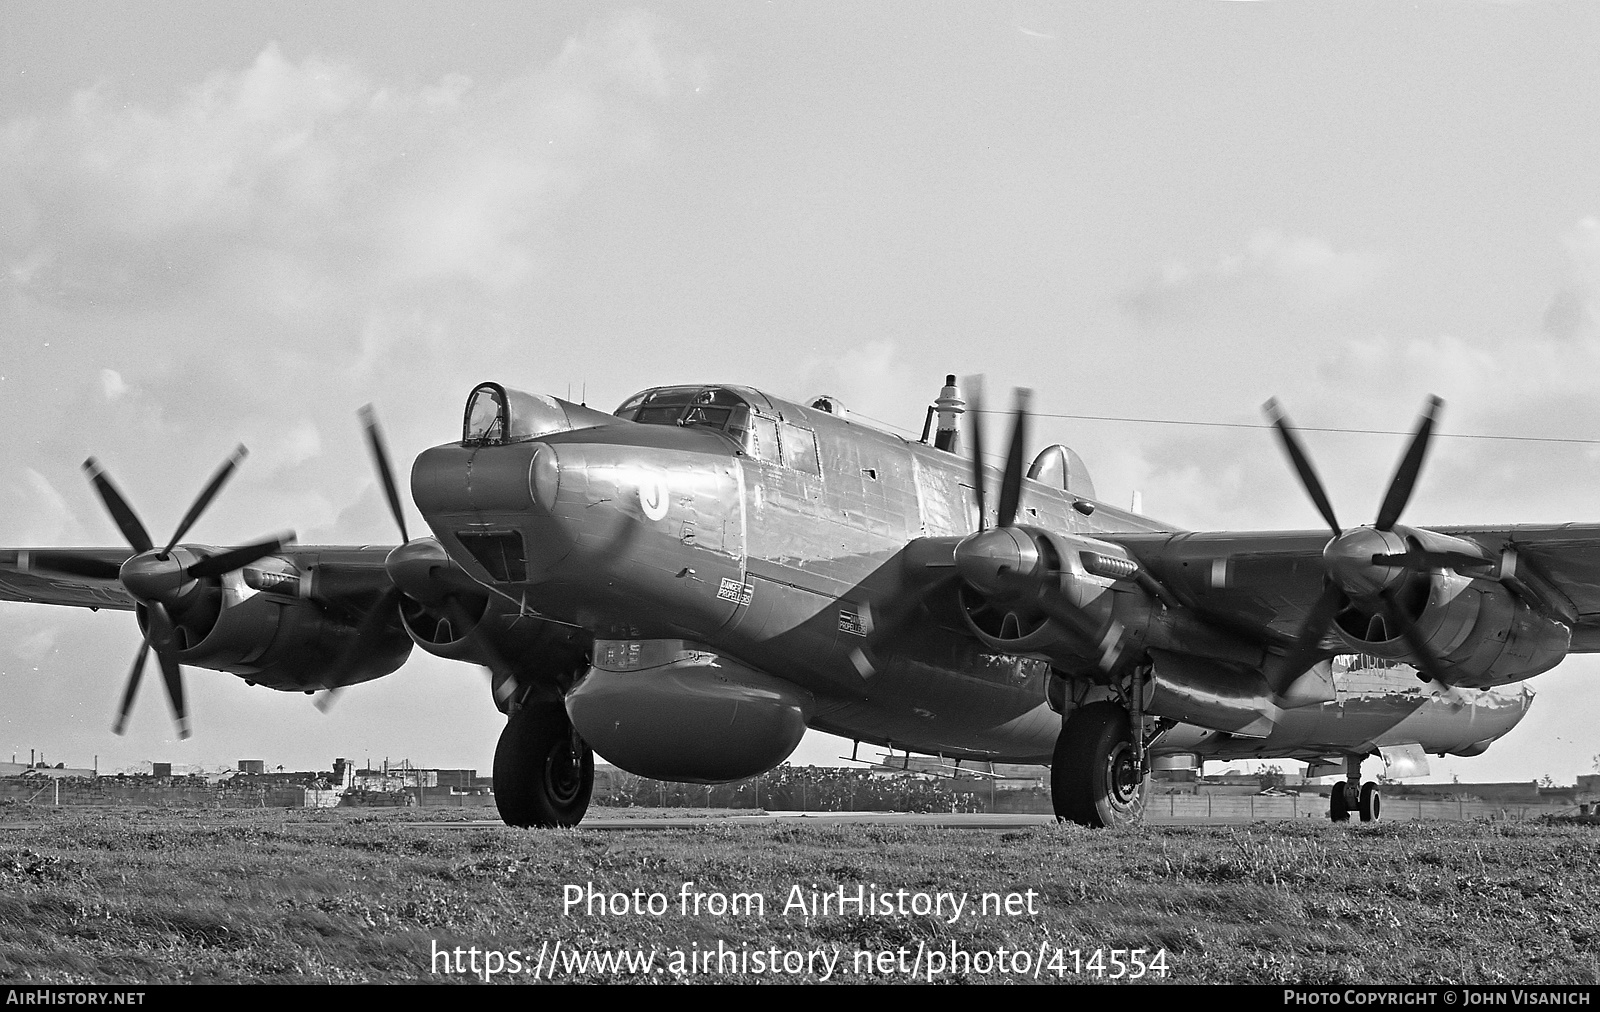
(869, 378)
(37, 512)
(320, 175)
(282, 242)
(1574, 311)
(112, 384)
(1274, 272)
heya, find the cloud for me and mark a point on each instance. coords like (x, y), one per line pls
(1274, 272)
(870, 378)
(112, 384)
(39, 514)
(1574, 311)
(294, 173)
(281, 242)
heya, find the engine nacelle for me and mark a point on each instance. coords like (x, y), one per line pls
(1482, 632)
(1209, 693)
(530, 658)
(1006, 620)
(290, 644)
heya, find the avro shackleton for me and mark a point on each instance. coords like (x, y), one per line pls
(685, 585)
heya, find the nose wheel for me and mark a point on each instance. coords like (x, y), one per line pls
(543, 771)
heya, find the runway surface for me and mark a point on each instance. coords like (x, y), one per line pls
(932, 821)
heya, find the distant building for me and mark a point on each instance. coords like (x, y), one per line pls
(255, 767)
(40, 770)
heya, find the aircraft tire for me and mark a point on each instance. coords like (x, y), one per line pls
(543, 772)
(1339, 802)
(1093, 779)
(1371, 803)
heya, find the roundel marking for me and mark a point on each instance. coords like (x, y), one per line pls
(653, 495)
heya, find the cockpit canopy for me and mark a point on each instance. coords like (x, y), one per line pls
(716, 408)
(744, 416)
(496, 415)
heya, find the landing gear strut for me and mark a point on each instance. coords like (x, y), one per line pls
(1351, 795)
(1095, 779)
(543, 772)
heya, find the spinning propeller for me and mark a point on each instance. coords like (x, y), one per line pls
(164, 581)
(1366, 566)
(1004, 563)
(419, 574)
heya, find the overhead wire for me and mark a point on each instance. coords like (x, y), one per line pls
(1195, 423)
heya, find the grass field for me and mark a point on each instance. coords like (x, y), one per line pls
(151, 896)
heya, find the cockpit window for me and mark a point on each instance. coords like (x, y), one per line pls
(497, 415)
(699, 407)
(486, 415)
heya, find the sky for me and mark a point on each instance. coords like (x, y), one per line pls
(226, 224)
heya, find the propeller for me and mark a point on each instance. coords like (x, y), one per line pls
(1000, 562)
(410, 566)
(1362, 561)
(373, 622)
(163, 581)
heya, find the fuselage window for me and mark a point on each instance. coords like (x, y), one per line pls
(800, 449)
(761, 442)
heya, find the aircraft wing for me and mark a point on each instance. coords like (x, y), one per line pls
(23, 578)
(1264, 584)
(343, 576)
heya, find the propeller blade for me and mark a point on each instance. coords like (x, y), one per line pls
(165, 642)
(1420, 651)
(1302, 464)
(1061, 609)
(371, 625)
(1405, 476)
(502, 675)
(1423, 561)
(238, 558)
(126, 519)
(893, 616)
(974, 385)
(380, 457)
(1011, 481)
(324, 699)
(133, 687)
(75, 565)
(204, 498)
(1307, 642)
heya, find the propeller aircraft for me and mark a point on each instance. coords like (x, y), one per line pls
(686, 585)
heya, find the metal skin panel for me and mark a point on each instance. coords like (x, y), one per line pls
(1258, 583)
(701, 718)
(1375, 708)
(20, 581)
(1200, 691)
(290, 644)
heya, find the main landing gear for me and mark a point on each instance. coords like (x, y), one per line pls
(543, 772)
(1351, 795)
(1095, 778)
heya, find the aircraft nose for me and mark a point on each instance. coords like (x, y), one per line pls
(505, 494)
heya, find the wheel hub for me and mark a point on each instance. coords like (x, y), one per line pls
(1124, 778)
(563, 770)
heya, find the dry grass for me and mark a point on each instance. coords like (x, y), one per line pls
(132, 895)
